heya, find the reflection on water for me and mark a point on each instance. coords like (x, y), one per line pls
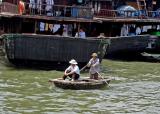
(134, 90)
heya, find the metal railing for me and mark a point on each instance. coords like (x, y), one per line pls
(58, 10)
(121, 13)
(49, 10)
(154, 14)
(75, 11)
(105, 13)
(6, 7)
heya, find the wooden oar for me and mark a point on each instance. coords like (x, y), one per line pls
(102, 77)
(83, 68)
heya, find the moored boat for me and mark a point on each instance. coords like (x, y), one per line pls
(51, 48)
(151, 56)
(81, 84)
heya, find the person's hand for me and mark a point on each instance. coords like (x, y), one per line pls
(65, 73)
(88, 65)
(93, 65)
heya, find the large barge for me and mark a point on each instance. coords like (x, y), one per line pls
(25, 42)
(27, 48)
(88, 16)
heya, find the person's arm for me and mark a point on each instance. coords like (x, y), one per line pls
(97, 63)
(75, 70)
(65, 72)
(84, 35)
(89, 63)
(71, 72)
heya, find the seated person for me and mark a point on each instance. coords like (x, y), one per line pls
(81, 34)
(72, 71)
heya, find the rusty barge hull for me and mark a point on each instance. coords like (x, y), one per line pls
(51, 48)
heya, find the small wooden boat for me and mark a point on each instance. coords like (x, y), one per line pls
(151, 56)
(80, 84)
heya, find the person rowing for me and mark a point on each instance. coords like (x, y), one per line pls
(94, 65)
(72, 71)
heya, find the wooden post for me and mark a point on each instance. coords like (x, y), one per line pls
(35, 26)
(20, 27)
(78, 28)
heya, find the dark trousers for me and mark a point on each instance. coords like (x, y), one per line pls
(73, 76)
(94, 76)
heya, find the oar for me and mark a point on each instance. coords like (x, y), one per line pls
(102, 77)
(83, 68)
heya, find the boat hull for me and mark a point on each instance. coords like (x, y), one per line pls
(151, 56)
(51, 48)
(129, 45)
(80, 84)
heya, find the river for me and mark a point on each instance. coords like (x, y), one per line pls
(135, 89)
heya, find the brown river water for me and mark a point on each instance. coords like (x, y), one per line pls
(135, 89)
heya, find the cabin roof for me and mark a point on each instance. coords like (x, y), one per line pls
(128, 20)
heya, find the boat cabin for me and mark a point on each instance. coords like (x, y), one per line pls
(98, 16)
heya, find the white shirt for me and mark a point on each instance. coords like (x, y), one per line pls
(74, 69)
(56, 27)
(65, 31)
(81, 35)
(124, 30)
(158, 27)
(49, 4)
(39, 4)
(145, 28)
(32, 4)
(138, 30)
(42, 26)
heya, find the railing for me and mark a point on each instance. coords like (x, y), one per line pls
(6, 7)
(49, 10)
(154, 14)
(58, 10)
(105, 13)
(75, 11)
(121, 13)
